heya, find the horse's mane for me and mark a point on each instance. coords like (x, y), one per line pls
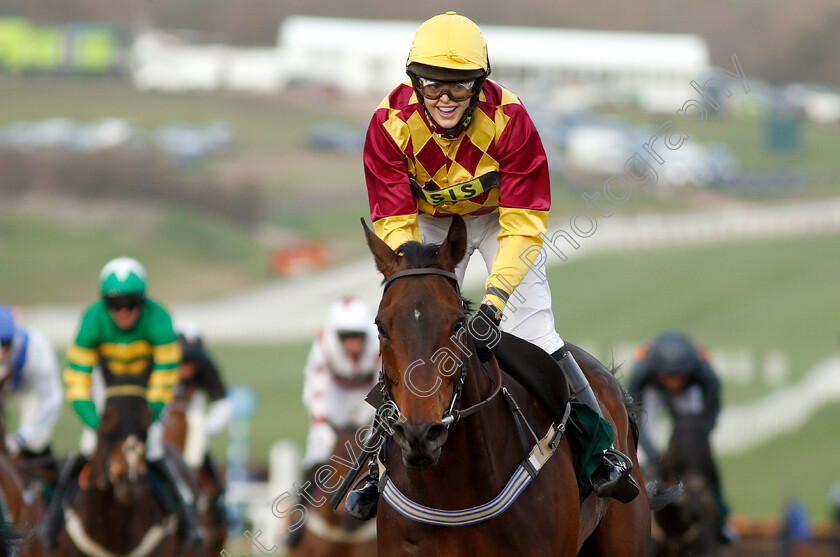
(421, 256)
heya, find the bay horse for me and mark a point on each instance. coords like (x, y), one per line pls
(175, 433)
(21, 504)
(688, 524)
(443, 466)
(334, 533)
(115, 510)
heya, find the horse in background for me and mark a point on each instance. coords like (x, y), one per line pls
(115, 509)
(687, 525)
(179, 435)
(21, 504)
(334, 533)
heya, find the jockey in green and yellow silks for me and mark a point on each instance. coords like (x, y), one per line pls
(130, 339)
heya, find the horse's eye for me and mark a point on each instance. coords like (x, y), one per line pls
(382, 331)
(458, 325)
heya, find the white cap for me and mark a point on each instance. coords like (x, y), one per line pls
(350, 315)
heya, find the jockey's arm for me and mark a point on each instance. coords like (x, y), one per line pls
(218, 417)
(43, 380)
(393, 208)
(710, 384)
(524, 201)
(641, 378)
(166, 356)
(519, 249)
(82, 356)
(219, 412)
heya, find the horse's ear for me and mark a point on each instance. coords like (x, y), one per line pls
(386, 260)
(452, 250)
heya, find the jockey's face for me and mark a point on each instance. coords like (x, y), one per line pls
(187, 370)
(353, 344)
(445, 112)
(124, 310)
(673, 383)
(125, 318)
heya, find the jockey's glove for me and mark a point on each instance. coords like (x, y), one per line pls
(484, 330)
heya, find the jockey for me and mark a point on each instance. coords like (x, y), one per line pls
(130, 338)
(670, 369)
(342, 367)
(200, 373)
(29, 368)
(449, 141)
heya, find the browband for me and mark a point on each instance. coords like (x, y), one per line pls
(424, 271)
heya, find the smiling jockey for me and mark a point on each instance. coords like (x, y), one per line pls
(131, 340)
(449, 141)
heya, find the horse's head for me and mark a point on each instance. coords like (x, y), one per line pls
(120, 458)
(422, 328)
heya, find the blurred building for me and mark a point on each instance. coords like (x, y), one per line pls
(572, 68)
(90, 48)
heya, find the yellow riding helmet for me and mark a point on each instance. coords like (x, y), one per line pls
(448, 47)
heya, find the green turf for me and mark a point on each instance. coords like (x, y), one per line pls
(187, 255)
(802, 464)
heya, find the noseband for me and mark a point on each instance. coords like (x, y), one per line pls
(452, 415)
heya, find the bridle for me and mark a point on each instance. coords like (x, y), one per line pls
(452, 415)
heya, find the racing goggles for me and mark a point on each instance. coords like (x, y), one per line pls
(116, 303)
(457, 91)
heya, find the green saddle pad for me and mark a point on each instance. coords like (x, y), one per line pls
(589, 436)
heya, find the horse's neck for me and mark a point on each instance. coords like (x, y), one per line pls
(689, 451)
(124, 528)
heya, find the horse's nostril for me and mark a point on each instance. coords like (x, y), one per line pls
(436, 433)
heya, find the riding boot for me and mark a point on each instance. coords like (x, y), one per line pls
(612, 478)
(54, 519)
(190, 529)
(362, 503)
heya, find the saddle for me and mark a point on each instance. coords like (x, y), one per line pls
(589, 435)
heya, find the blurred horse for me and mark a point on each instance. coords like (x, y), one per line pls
(688, 524)
(448, 469)
(334, 533)
(21, 504)
(116, 484)
(176, 432)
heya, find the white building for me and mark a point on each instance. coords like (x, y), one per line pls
(572, 68)
(168, 62)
